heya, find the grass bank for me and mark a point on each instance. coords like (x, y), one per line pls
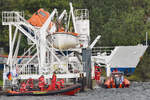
(1, 82)
(142, 72)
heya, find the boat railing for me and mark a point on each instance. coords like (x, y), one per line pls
(3, 60)
(102, 51)
(28, 69)
(81, 14)
(17, 19)
(11, 17)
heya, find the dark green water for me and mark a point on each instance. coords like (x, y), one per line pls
(137, 91)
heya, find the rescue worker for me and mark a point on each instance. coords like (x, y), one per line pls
(53, 81)
(96, 68)
(30, 83)
(98, 75)
(23, 87)
(115, 70)
(121, 81)
(112, 83)
(60, 84)
(98, 71)
(41, 83)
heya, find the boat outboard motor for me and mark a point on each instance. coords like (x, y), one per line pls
(117, 81)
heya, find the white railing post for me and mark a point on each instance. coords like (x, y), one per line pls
(4, 77)
(73, 17)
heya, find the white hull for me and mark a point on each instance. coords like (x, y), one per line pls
(64, 41)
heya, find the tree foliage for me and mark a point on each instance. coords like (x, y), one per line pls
(120, 22)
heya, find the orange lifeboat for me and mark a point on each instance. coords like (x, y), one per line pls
(39, 18)
(117, 80)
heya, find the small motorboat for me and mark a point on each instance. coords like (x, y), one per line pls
(117, 80)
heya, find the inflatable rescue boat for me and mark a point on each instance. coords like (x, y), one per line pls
(117, 80)
(70, 90)
(29, 88)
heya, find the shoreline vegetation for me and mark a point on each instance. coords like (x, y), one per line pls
(1, 77)
(142, 71)
(1, 82)
(119, 22)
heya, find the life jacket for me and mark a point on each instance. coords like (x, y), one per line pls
(97, 72)
(97, 76)
(30, 83)
(23, 87)
(58, 84)
(115, 70)
(53, 81)
(54, 78)
(41, 82)
(62, 82)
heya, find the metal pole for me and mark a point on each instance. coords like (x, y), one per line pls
(73, 17)
(10, 47)
(86, 59)
(43, 43)
(16, 50)
(108, 70)
(146, 38)
(4, 77)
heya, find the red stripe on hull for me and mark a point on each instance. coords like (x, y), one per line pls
(72, 92)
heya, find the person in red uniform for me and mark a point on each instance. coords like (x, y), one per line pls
(62, 82)
(97, 74)
(58, 84)
(115, 70)
(23, 87)
(41, 83)
(53, 81)
(96, 67)
(30, 83)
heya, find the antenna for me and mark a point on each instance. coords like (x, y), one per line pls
(146, 38)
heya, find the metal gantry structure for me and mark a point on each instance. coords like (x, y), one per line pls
(41, 57)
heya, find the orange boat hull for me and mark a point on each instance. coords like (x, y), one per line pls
(70, 90)
(110, 83)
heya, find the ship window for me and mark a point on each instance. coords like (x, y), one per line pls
(43, 14)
